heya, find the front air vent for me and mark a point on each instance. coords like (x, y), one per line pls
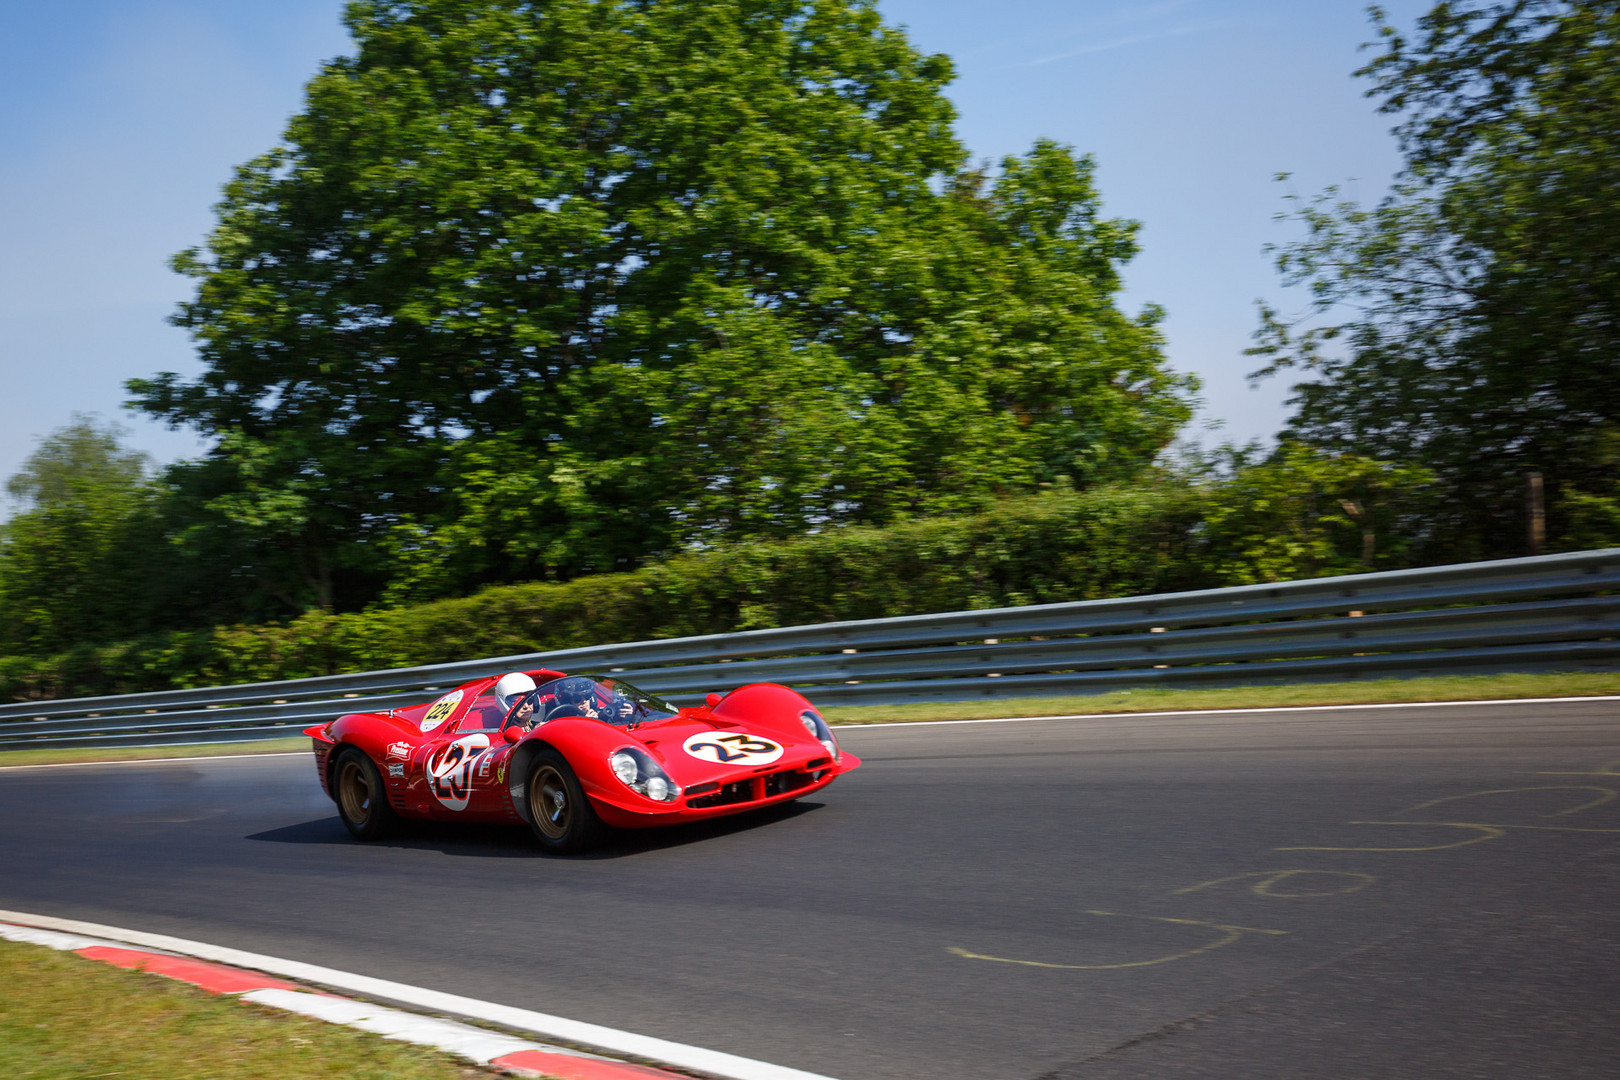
(739, 792)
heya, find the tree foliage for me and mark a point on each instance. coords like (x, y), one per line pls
(73, 561)
(1280, 520)
(534, 289)
(101, 550)
(1299, 511)
(1479, 304)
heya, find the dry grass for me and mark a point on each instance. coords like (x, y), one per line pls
(63, 1017)
(1381, 691)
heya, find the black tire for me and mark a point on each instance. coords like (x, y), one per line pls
(562, 817)
(362, 801)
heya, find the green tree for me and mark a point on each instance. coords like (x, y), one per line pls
(1301, 512)
(78, 464)
(1483, 295)
(537, 289)
(75, 562)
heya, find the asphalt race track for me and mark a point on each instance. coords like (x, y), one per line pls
(1400, 892)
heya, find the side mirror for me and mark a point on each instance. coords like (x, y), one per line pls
(513, 733)
(713, 700)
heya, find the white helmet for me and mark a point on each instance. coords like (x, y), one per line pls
(510, 688)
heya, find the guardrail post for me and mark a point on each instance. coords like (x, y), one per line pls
(1535, 512)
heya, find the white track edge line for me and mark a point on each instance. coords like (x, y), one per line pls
(56, 939)
(1234, 710)
(158, 760)
(629, 1044)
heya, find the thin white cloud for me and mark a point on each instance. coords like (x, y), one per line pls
(1087, 50)
(1116, 17)
(1135, 39)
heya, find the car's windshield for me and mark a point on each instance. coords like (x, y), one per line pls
(612, 701)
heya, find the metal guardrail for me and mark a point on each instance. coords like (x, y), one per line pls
(1554, 612)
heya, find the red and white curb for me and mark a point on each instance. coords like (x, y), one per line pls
(249, 976)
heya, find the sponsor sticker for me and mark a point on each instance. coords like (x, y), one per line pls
(396, 770)
(449, 770)
(399, 751)
(732, 748)
(441, 710)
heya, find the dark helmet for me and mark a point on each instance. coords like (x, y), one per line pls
(575, 690)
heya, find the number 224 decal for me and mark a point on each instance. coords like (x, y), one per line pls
(441, 710)
(732, 748)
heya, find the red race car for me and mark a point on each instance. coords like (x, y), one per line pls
(570, 754)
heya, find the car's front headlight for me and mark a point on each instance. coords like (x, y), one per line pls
(817, 727)
(637, 771)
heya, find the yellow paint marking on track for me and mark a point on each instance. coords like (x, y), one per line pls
(1611, 769)
(1556, 828)
(1491, 832)
(1269, 878)
(1607, 795)
(1230, 934)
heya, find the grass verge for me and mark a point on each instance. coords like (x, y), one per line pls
(1372, 692)
(62, 755)
(63, 1017)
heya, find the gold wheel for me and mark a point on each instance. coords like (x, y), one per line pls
(362, 802)
(355, 794)
(563, 819)
(549, 802)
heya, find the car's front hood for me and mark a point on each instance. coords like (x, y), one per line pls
(695, 751)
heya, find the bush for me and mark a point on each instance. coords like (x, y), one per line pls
(1053, 547)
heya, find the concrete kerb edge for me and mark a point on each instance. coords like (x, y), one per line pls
(507, 1053)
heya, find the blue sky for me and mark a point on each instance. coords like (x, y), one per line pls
(121, 119)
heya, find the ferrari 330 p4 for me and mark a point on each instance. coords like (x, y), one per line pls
(571, 754)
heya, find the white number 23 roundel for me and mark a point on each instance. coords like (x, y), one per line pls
(732, 748)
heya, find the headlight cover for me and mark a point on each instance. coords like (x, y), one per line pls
(817, 727)
(637, 771)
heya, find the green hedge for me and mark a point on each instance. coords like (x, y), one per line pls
(1053, 547)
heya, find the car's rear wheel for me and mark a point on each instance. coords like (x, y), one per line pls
(563, 819)
(362, 801)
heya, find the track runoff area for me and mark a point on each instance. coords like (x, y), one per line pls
(1326, 891)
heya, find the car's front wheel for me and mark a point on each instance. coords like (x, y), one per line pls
(362, 801)
(563, 819)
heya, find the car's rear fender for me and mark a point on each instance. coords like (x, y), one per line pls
(370, 733)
